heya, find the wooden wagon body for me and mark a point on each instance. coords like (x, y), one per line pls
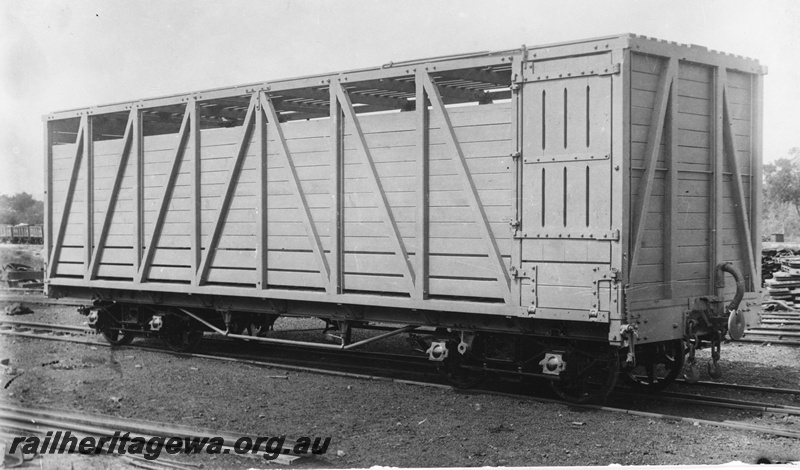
(596, 182)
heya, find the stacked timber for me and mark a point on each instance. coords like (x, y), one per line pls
(785, 284)
(771, 260)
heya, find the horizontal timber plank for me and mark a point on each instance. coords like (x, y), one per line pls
(465, 288)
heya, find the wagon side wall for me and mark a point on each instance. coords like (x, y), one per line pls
(328, 208)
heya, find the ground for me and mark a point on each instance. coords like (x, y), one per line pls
(376, 423)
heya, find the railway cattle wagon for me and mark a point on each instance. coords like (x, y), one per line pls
(569, 212)
(21, 233)
(6, 234)
(36, 234)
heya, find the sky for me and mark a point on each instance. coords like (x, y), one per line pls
(80, 53)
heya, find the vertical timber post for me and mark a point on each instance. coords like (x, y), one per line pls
(756, 170)
(137, 152)
(423, 190)
(621, 184)
(48, 197)
(262, 224)
(718, 166)
(517, 96)
(337, 193)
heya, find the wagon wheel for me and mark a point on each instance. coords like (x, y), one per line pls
(453, 370)
(589, 376)
(116, 336)
(656, 371)
(109, 327)
(181, 336)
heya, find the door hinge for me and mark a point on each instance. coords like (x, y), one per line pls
(613, 235)
(615, 69)
(514, 223)
(515, 155)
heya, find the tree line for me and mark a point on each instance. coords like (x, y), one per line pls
(21, 208)
(781, 202)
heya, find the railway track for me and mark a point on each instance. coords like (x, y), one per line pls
(217, 347)
(22, 421)
(781, 328)
(752, 388)
(367, 365)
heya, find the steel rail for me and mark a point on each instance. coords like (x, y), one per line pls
(34, 419)
(46, 326)
(719, 402)
(31, 296)
(647, 414)
(332, 348)
(252, 360)
(216, 338)
(754, 388)
(722, 424)
(220, 339)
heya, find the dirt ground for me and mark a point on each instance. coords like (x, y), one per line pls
(373, 423)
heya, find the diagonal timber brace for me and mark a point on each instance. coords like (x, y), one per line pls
(377, 189)
(212, 239)
(654, 137)
(469, 186)
(62, 225)
(745, 239)
(297, 191)
(149, 251)
(108, 213)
